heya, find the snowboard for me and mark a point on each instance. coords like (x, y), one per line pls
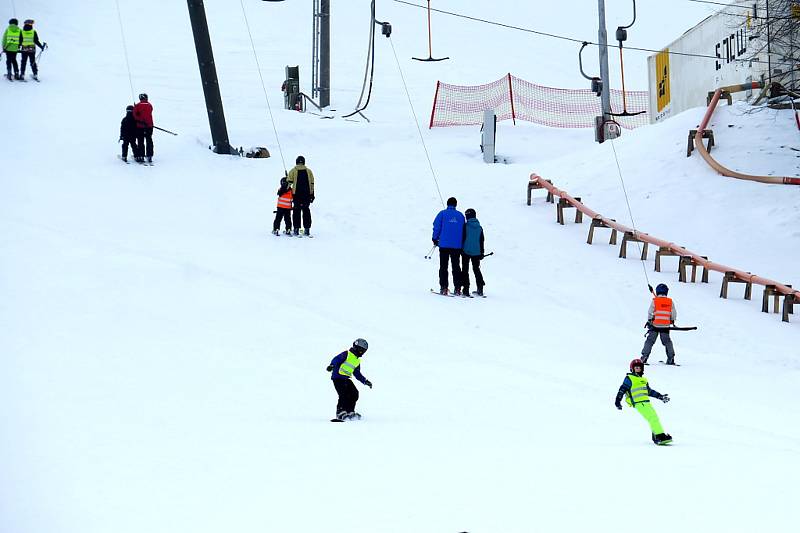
(451, 294)
(665, 363)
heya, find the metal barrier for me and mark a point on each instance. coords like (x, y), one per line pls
(687, 258)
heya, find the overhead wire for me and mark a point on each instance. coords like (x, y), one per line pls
(263, 85)
(124, 50)
(416, 122)
(580, 41)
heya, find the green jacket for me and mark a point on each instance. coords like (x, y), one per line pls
(293, 181)
(11, 38)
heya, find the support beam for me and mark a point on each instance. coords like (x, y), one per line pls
(208, 75)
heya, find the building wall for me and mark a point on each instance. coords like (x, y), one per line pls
(678, 82)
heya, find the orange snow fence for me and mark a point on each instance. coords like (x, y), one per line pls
(514, 98)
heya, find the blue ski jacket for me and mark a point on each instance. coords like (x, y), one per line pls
(337, 361)
(473, 237)
(448, 228)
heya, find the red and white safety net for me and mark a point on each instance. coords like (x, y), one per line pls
(514, 98)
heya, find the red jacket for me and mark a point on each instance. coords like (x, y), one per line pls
(143, 113)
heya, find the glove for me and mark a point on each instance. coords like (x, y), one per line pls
(435, 242)
(664, 398)
(618, 406)
(311, 199)
(480, 257)
(368, 383)
(44, 45)
(329, 368)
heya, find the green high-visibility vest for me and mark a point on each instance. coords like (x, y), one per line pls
(638, 392)
(349, 365)
(11, 42)
(27, 38)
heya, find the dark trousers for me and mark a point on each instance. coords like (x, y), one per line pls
(476, 268)
(144, 138)
(652, 333)
(348, 395)
(304, 208)
(11, 62)
(282, 213)
(29, 56)
(452, 255)
(134, 148)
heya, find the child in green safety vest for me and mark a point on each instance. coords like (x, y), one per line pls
(637, 393)
(342, 367)
(11, 45)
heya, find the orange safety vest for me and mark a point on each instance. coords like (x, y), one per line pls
(662, 315)
(285, 200)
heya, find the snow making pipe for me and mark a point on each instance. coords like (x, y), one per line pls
(700, 147)
(674, 248)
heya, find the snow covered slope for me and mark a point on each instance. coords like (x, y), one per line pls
(163, 355)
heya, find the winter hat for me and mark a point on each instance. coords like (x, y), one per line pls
(143, 97)
(300, 160)
(13, 22)
(284, 182)
(469, 213)
(129, 108)
(452, 202)
(29, 22)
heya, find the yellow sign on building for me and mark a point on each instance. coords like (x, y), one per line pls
(662, 79)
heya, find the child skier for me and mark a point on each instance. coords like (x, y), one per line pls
(341, 368)
(127, 134)
(472, 252)
(637, 394)
(284, 210)
(660, 317)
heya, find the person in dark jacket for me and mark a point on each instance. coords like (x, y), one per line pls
(472, 252)
(143, 113)
(302, 181)
(28, 41)
(637, 393)
(127, 134)
(448, 235)
(284, 209)
(343, 366)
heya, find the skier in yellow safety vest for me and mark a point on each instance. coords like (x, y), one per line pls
(637, 392)
(342, 367)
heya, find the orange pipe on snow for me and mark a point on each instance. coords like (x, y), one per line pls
(700, 147)
(655, 241)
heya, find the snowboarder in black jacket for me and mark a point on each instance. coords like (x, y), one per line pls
(127, 134)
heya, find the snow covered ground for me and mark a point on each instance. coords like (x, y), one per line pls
(162, 355)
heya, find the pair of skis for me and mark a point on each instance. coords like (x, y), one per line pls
(143, 163)
(454, 295)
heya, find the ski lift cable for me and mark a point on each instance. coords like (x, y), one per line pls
(630, 212)
(124, 49)
(574, 40)
(263, 86)
(416, 122)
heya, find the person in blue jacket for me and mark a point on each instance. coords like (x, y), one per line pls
(472, 252)
(343, 366)
(448, 235)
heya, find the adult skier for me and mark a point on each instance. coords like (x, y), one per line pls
(342, 367)
(472, 252)
(127, 134)
(302, 181)
(637, 394)
(660, 317)
(29, 42)
(143, 113)
(11, 42)
(448, 235)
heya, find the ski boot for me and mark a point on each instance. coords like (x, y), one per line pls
(444, 291)
(125, 158)
(353, 416)
(149, 158)
(341, 415)
(36, 77)
(275, 232)
(287, 231)
(296, 232)
(18, 77)
(8, 77)
(307, 232)
(662, 438)
(458, 292)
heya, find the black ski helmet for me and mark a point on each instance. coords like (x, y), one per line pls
(129, 108)
(360, 347)
(13, 22)
(143, 97)
(469, 213)
(300, 161)
(637, 362)
(662, 289)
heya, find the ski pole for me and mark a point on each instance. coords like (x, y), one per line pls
(487, 255)
(166, 131)
(39, 56)
(430, 254)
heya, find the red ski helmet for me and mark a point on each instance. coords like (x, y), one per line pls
(637, 362)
